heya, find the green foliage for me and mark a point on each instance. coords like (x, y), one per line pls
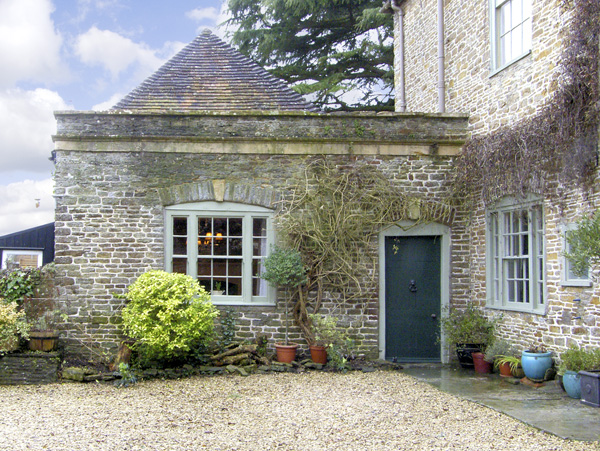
(325, 330)
(16, 284)
(339, 353)
(498, 348)
(468, 326)
(326, 48)
(227, 318)
(261, 343)
(12, 324)
(284, 268)
(577, 359)
(584, 244)
(168, 314)
(128, 377)
(512, 360)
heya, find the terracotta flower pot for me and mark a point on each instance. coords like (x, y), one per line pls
(318, 354)
(505, 370)
(286, 353)
(481, 366)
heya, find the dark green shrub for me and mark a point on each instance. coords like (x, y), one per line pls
(577, 359)
(468, 326)
(16, 284)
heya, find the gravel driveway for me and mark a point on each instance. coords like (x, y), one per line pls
(310, 411)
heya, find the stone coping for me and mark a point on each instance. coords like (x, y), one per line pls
(326, 129)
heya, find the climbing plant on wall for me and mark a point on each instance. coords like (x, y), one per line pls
(560, 142)
(332, 217)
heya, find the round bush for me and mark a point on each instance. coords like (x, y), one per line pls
(168, 315)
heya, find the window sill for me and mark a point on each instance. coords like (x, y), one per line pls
(225, 302)
(576, 283)
(495, 71)
(539, 311)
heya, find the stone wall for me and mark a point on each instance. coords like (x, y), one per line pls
(491, 99)
(111, 197)
(495, 100)
(29, 368)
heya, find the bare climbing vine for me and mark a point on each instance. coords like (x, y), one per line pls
(333, 217)
(560, 142)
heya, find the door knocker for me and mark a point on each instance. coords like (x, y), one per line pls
(412, 286)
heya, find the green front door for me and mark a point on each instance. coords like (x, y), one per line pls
(412, 298)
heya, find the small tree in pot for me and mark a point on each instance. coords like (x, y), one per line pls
(284, 268)
(470, 331)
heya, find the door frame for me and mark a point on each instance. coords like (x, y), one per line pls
(408, 229)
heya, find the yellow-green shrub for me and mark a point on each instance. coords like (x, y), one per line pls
(12, 324)
(168, 315)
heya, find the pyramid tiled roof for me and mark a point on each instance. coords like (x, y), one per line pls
(209, 75)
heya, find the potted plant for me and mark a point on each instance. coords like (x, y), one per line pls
(12, 325)
(284, 268)
(497, 349)
(480, 364)
(470, 331)
(218, 289)
(536, 360)
(326, 334)
(572, 362)
(508, 365)
(44, 334)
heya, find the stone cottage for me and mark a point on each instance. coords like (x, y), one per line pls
(186, 174)
(509, 64)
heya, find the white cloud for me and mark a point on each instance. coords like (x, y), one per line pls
(27, 119)
(224, 31)
(200, 14)
(114, 52)
(18, 209)
(29, 44)
(214, 17)
(108, 104)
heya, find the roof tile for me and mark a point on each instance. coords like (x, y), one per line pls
(209, 75)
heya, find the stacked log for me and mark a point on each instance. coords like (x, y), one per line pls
(244, 354)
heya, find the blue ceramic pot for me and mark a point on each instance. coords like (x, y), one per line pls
(572, 384)
(535, 364)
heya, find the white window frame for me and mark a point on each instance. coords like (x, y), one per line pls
(567, 277)
(209, 209)
(520, 32)
(504, 251)
(7, 253)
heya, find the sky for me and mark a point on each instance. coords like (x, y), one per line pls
(83, 55)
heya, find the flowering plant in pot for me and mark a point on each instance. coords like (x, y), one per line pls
(284, 268)
(470, 331)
